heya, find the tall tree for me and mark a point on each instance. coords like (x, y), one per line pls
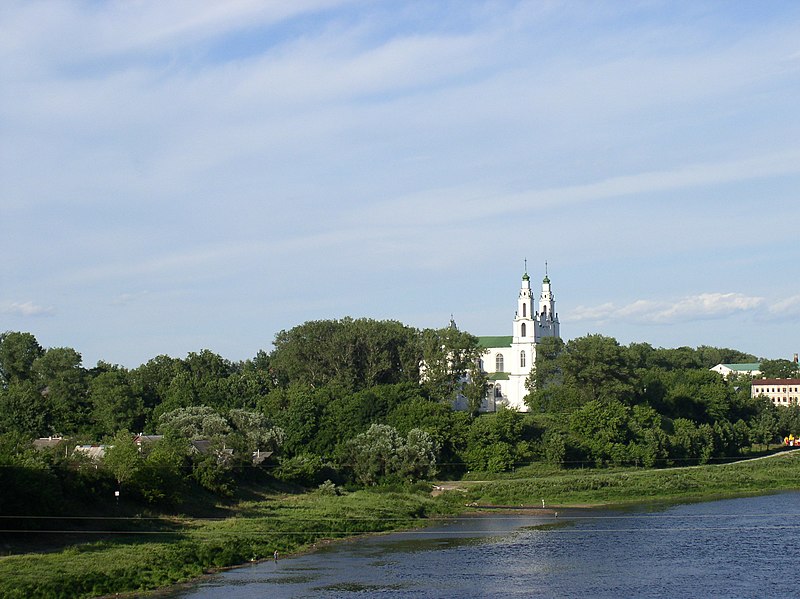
(450, 358)
(18, 352)
(114, 404)
(62, 379)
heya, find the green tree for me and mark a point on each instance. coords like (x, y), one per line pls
(376, 454)
(597, 368)
(62, 379)
(114, 404)
(450, 357)
(779, 369)
(602, 429)
(24, 410)
(122, 458)
(350, 354)
(256, 431)
(195, 422)
(18, 352)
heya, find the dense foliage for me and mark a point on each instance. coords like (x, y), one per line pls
(358, 402)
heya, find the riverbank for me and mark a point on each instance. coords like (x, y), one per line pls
(160, 555)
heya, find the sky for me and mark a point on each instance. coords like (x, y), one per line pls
(185, 175)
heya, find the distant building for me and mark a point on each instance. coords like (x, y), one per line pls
(94, 452)
(509, 359)
(751, 369)
(43, 443)
(781, 392)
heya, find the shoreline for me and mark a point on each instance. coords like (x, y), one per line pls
(320, 520)
(561, 513)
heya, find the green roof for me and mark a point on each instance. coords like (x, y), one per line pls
(496, 341)
(497, 376)
(746, 366)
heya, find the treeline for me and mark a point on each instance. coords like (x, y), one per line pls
(611, 404)
(359, 401)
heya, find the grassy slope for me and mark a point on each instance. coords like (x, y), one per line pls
(294, 523)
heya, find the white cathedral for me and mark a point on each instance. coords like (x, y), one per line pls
(509, 359)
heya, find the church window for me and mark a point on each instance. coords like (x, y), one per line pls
(522, 359)
(497, 391)
(523, 329)
(524, 314)
(498, 363)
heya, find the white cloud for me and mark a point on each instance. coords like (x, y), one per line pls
(785, 308)
(28, 309)
(703, 306)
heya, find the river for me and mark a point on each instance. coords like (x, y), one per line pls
(748, 547)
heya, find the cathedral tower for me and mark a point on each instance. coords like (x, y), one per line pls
(547, 317)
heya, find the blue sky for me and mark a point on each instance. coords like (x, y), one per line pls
(183, 175)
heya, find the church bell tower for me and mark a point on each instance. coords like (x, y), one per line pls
(547, 324)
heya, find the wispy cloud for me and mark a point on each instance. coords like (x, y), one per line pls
(703, 306)
(27, 309)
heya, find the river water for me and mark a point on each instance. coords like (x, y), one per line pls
(744, 548)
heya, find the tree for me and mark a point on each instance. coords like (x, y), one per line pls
(122, 458)
(450, 358)
(62, 379)
(418, 456)
(299, 418)
(779, 369)
(602, 429)
(114, 404)
(24, 410)
(597, 368)
(18, 352)
(255, 430)
(376, 454)
(195, 422)
(351, 354)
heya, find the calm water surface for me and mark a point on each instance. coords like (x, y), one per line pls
(734, 548)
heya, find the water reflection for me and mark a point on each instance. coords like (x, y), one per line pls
(732, 548)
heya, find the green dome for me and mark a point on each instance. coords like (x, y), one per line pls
(546, 279)
(525, 277)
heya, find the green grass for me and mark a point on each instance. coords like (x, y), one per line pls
(177, 550)
(628, 485)
(147, 560)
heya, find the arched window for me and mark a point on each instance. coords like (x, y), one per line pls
(523, 329)
(498, 363)
(497, 391)
(524, 315)
(522, 359)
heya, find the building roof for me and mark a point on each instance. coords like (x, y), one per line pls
(744, 366)
(495, 341)
(776, 382)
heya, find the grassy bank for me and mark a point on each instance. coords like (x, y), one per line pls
(165, 551)
(623, 486)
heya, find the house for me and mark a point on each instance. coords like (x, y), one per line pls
(206, 447)
(508, 360)
(259, 456)
(43, 443)
(93, 452)
(751, 369)
(781, 392)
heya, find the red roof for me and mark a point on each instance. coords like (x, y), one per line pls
(776, 382)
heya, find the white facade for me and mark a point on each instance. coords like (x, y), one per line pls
(508, 360)
(726, 370)
(781, 392)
